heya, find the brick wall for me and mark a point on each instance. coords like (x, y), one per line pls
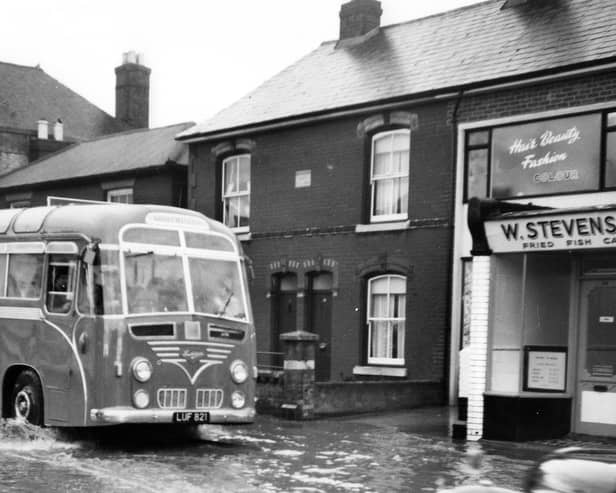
(539, 97)
(289, 224)
(165, 188)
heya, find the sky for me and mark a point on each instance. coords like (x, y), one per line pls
(204, 54)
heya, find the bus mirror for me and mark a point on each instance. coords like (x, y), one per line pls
(89, 254)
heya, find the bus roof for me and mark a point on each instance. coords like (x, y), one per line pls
(99, 221)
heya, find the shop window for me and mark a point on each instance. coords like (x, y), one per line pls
(236, 192)
(386, 319)
(389, 176)
(530, 308)
(24, 275)
(541, 157)
(120, 195)
(477, 164)
(60, 281)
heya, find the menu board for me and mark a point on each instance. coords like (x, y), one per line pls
(545, 369)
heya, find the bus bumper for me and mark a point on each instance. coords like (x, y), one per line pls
(121, 415)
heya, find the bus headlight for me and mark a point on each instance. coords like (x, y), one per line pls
(238, 399)
(142, 369)
(239, 371)
(141, 398)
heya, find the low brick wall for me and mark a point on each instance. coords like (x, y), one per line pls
(372, 396)
(269, 394)
(337, 398)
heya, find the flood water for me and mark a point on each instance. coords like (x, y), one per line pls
(338, 455)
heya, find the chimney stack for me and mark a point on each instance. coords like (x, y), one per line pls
(359, 17)
(133, 91)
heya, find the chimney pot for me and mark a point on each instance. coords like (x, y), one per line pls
(58, 130)
(359, 17)
(42, 129)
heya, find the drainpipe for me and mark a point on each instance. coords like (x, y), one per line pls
(452, 390)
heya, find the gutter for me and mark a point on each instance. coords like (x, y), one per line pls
(452, 93)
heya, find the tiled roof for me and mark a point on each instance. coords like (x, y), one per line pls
(136, 149)
(478, 43)
(28, 94)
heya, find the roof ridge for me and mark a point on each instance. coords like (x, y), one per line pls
(134, 131)
(30, 67)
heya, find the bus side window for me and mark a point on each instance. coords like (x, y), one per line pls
(60, 283)
(24, 275)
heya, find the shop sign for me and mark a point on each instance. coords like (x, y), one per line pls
(546, 157)
(553, 232)
(545, 369)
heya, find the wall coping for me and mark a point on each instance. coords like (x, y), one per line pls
(299, 335)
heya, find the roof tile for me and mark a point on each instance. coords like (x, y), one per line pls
(478, 43)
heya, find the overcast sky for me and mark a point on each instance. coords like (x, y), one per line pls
(204, 54)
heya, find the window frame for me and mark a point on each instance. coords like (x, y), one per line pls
(71, 288)
(605, 130)
(379, 218)
(120, 192)
(387, 361)
(224, 196)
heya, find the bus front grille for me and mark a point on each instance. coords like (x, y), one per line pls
(209, 398)
(172, 398)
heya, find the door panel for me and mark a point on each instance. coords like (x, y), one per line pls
(596, 389)
(320, 321)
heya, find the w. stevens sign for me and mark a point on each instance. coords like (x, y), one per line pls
(553, 232)
(546, 157)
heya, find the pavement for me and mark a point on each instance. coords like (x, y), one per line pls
(437, 421)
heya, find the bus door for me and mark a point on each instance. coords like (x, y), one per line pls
(62, 377)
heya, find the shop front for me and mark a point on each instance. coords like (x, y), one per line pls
(536, 272)
(550, 345)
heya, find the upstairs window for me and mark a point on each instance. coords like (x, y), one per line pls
(120, 195)
(236, 192)
(389, 176)
(386, 319)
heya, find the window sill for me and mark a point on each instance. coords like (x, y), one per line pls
(379, 371)
(376, 227)
(243, 236)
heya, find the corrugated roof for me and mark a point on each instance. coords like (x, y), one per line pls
(28, 94)
(125, 151)
(478, 43)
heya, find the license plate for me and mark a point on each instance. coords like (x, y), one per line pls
(191, 417)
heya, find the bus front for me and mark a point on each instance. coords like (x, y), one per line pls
(178, 343)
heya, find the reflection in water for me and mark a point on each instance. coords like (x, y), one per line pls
(271, 456)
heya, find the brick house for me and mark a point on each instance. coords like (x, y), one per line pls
(344, 175)
(145, 166)
(39, 115)
(89, 155)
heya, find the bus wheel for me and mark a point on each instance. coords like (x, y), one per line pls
(27, 398)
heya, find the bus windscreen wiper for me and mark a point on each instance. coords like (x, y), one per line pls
(138, 254)
(223, 309)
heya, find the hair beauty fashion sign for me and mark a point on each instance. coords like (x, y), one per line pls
(546, 157)
(575, 231)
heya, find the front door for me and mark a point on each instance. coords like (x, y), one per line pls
(320, 321)
(284, 307)
(596, 375)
